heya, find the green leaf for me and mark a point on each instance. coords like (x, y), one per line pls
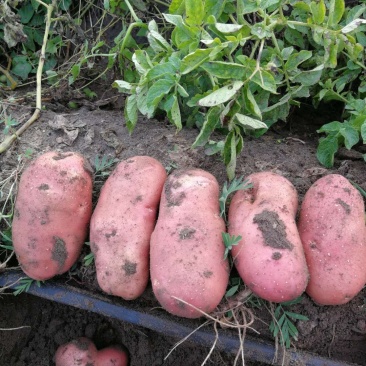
(363, 132)
(334, 126)
(142, 62)
(131, 112)
(265, 4)
(26, 12)
(65, 4)
(194, 12)
(22, 69)
(301, 92)
(176, 20)
(158, 42)
(318, 11)
(249, 6)
(53, 45)
(250, 123)
(177, 6)
(122, 86)
(233, 146)
(333, 53)
(156, 93)
(296, 59)
(228, 28)
(265, 80)
(294, 37)
(232, 291)
(221, 95)
(286, 52)
(336, 11)
(75, 71)
(141, 98)
(353, 25)
(327, 147)
(229, 242)
(310, 77)
(161, 70)
(293, 332)
(174, 114)
(350, 135)
(261, 30)
(251, 103)
(225, 70)
(182, 92)
(193, 60)
(214, 8)
(211, 122)
(212, 147)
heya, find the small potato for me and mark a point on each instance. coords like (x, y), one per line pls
(52, 213)
(79, 352)
(333, 233)
(187, 252)
(112, 356)
(122, 223)
(269, 258)
(82, 352)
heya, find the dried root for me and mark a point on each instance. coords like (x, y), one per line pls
(232, 314)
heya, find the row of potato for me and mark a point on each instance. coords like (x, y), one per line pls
(168, 229)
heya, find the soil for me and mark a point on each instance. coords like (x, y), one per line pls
(338, 332)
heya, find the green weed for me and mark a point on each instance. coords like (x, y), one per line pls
(282, 325)
(25, 284)
(235, 185)
(89, 258)
(102, 164)
(229, 242)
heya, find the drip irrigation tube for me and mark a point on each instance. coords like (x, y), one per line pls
(254, 350)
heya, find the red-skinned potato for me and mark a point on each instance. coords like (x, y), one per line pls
(52, 213)
(82, 352)
(332, 229)
(112, 356)
(269, 258)
(187, 252)
(122, 223)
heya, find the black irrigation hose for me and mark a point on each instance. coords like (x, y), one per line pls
(254, 350)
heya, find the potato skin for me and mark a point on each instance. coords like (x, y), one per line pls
(187, 252)
(122, 223)
(52, 213)
(269, 258)
(333, 233)
(82, 352)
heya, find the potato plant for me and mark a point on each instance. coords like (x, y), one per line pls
(239, 66)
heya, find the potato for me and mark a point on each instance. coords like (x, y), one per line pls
(82, 352)
(187, 252)
(332, 230)
(52, 213)
(112, 356)
(269, 258)
(79, 352)
(122, 223)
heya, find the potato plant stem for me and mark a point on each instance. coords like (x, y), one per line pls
(10, 139)
(13, 83)
(134, 16)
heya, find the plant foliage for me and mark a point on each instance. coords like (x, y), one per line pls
(282, 325)
(238, 66)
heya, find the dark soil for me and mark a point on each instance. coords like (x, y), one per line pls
(338, 332)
